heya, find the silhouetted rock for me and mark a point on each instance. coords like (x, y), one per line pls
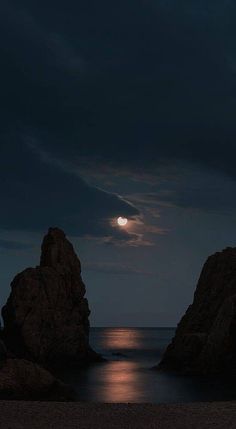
(46, 315)
(119, 354)
(205, 340)
(3, 353)
(24, 380)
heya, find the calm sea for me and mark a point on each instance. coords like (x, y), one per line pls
(128, 376)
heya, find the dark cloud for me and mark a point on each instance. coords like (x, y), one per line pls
(102, 81)
(200, 190)
(189, 187)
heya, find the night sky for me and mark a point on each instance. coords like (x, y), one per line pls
(111, 109)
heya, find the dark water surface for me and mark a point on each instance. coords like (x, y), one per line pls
(128, 375)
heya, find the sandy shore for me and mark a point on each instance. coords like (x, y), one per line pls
(42, 415)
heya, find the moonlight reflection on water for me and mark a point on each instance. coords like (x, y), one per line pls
(127, 376)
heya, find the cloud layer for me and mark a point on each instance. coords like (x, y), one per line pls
(134, 88)
(36, 194)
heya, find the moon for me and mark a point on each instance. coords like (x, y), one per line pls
(122, 221)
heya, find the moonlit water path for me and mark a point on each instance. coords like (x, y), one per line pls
(128, 375)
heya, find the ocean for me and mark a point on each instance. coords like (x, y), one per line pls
(128, 374)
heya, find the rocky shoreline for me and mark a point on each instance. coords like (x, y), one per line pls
(46, 324)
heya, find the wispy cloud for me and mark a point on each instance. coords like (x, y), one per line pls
(139, 231)
(130, 240)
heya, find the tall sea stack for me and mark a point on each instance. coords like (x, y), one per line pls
(46, 318)
(205, 339)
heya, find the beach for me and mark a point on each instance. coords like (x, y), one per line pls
(78, 415)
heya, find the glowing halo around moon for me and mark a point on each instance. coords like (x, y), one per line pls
(122, 221)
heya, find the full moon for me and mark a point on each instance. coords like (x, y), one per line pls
(122, 221)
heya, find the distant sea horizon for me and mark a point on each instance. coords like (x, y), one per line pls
(132, 327)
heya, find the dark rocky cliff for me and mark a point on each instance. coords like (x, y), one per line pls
(205, 340)
(46, 318)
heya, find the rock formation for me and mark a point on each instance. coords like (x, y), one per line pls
(205, 339)
(24, 380)
(46, 315)
(3, 354)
